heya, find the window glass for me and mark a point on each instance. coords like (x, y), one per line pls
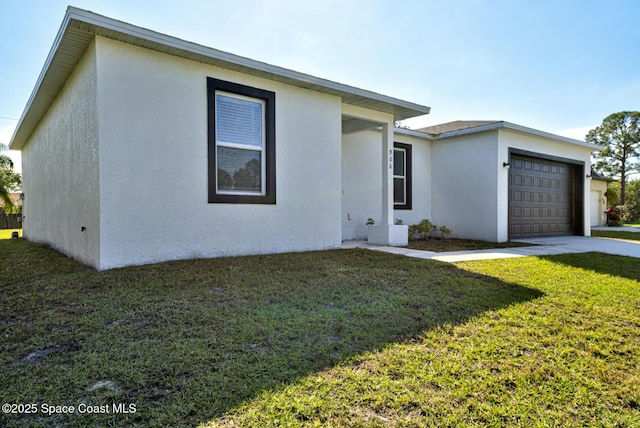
(402, 187)
(399, 178)
(398, 162)
(239, 121)
(398, 190)
(239, 170)
(241, 143)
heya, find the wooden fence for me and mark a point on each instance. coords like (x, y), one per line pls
(10, 221)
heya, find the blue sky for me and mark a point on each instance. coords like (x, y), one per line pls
(556, 65)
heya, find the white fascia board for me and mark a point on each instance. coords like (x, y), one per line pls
(16, 142)
(518, 128)
(551, 136)
(412, 133)
(467, 131)
(408, 132)
(89, 24)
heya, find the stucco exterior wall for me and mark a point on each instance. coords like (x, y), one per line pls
(153, 154)
(61, 170)
(470, 191)
(362, 181)
(464, 173)
(509, 139)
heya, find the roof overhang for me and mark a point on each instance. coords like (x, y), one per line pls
(413, 133)
(79, 27)
(518, 128)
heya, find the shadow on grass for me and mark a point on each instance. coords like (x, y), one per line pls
(188, 341)
(602, 263)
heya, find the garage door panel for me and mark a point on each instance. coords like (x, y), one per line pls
(517, 196)
(541, 197)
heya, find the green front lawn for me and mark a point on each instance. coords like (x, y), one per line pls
(445, 245)
(334, 338)
(633, 236)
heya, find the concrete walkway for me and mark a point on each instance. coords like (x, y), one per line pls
(618, 229)
(542, 247)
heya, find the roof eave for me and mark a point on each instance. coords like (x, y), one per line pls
(29, 119)
(80, 26)
(413, 133)
(518, 128)
(467, 131)
(524, 129)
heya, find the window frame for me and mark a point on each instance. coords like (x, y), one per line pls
(408, 185)
(268, 158)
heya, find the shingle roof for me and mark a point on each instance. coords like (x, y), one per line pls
(456, 125)
(596, 176)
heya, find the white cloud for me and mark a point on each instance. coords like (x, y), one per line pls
(576, 133)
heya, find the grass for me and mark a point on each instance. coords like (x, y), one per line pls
(6, 233)
(614, 234)
(335, 338)
(445, 245)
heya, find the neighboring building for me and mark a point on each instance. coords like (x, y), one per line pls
(16, 199)
(598, 199)
(11, 221)
(264, 159)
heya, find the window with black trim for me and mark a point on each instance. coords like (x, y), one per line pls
(241, 143)
(402, 199)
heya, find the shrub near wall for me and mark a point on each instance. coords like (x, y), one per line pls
(426, 230)
(614, 216)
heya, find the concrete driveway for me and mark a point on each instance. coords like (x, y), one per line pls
(542, 247)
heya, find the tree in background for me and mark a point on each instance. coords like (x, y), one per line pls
(613, 193)
(9, 180)
(619, 134)
(632, 207)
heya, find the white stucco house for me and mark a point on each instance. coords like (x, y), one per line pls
(486, 180)
(264, 159)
